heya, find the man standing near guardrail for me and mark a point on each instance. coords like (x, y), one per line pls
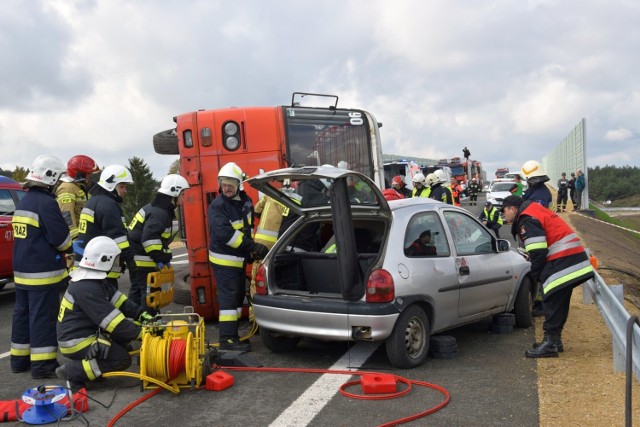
(558, 261)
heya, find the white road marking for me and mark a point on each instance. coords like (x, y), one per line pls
(5, 354)
(311, 402)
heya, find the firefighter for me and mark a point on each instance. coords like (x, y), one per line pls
(474, 189)
(231, 247)
(455, 192)
(150, 234)
(563, 193)
(490, 216)
(41, 238)
(94, 326)
(438, 189)
(536, 178)
(102, 215)
(420, 188)
(71, 194)
(558, 262)
(397, 183)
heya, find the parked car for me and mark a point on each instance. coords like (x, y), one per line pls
(10, 194)
(362, 280)
(498, 191)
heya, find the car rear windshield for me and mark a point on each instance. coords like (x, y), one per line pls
(502, 186)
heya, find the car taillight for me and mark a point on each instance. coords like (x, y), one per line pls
(380, 286)
(261, 286)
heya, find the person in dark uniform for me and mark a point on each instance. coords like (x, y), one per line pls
(490, 216)
(421, 246)
(102, 215)
(563, 190)
(536, 179)
(558, 261)
(41, 239)
(231, 247)
(397, 183)
(150, 234)
(94, 322)
(474, 190)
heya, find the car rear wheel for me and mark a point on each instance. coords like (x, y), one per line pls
(278, 343)
(408, 344)
(522, 305)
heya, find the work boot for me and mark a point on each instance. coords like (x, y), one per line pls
(547, 347)
(62, 374)
(559, 344)
(234, 344)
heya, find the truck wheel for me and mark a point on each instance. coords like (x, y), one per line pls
(523, 303)
(182, 290)
(408, 344)
(166, 142)
(278, 343)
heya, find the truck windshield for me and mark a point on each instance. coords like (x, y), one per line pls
(318, 137)
(457, 170)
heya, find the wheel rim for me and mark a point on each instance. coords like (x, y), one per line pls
(414, 337)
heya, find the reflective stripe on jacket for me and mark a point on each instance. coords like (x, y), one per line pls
(150, 232)
(71, 198)
(230, 228)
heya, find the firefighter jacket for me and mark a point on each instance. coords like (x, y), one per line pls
(150, 232)
(441, 193)
(558, 260)
(40, 236)
(422, 192)
(102, 216)
(538, 193)
(473, 188)
(492, 216)
(230, 227)
(71, 198)
(271, 213)
(92, 304)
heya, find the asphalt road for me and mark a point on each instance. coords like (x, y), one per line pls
(490, 382)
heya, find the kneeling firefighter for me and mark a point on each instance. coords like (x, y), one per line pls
(94, 328)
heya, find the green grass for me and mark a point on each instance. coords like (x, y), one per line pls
(632, 222)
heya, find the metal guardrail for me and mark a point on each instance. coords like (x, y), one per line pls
(616, 317)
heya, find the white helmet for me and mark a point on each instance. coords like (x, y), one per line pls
(440, 175)
(418, 178)
(431, 179)
(172, 185)
(113, 175)
(531, 169)
(233, 171)
(100, 254)
(342, 164)
(46, 169)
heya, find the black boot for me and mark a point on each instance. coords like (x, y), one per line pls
(547, 347)
(559, 344)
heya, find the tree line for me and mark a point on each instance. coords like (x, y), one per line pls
(613, 183)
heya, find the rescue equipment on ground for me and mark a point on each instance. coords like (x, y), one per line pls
(160, 287)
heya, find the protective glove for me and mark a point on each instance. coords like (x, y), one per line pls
(146, 317)
(99, 349)
(259, 251)
(161, 265)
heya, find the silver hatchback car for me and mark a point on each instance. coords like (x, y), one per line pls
(353, 266)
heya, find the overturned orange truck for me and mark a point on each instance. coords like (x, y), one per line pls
(311, 131)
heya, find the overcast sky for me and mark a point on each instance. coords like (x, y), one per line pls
(509, 79)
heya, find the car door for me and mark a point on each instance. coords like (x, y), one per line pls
(484, 274)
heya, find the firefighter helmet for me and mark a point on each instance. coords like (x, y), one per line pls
(100, 256)
(113, 175)
(80, 167)
(418, 178)
(441, 175)
(397, 180)
(231, 171)
(342, 164)
(46, 170)
(172, 185)
(531, 169)
(431, 179)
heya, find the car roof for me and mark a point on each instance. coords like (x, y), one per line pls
(6, 182)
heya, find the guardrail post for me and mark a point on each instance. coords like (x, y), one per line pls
(617, 345)
(633, 320)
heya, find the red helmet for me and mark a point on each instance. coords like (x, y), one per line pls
(79, 167)
(397, 180)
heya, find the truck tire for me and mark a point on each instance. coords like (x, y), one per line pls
(166, 142)
(182, 290)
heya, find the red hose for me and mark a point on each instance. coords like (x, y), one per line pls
(132, 405)
(177, 357)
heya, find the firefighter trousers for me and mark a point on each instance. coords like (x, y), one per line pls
(79, 370)
(138, 291)
(555, 308)
(33, 332)
(231, 287)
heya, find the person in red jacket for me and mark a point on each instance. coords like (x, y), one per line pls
(558, 261)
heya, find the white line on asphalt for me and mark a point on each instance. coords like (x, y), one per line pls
(307, 406)
(5, 354)
(179, 255)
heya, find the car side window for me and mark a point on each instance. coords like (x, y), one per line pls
(425, 237)
(469, 237)
(7, 205)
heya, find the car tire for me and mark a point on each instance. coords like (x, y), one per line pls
(278, 343)
(408, 345)
(182, 290)
(166, 142)
(523, 304)
(2, 285)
